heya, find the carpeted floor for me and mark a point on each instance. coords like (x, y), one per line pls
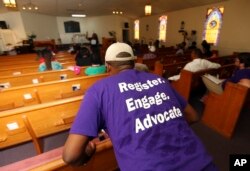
(218, 146)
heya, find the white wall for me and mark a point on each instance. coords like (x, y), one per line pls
(15, 23)
(234, 33)
(67, 37)
(43, 26)
(100, 25)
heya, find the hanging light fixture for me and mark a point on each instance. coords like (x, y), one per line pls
(148, 9)
(9, 3)
(30, 6)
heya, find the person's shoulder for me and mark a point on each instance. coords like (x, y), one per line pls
(56, 65)
(242, 71)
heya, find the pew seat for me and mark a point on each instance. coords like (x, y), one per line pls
(31, 123)
(47, 91)
(39, 77)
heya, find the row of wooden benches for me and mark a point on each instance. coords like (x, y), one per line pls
(22, 65)
(39, 77)
(221, 111)
(28, 69)
(31, 58)
(15, 97)
(26, 123)
(32, 123)
(172, 64)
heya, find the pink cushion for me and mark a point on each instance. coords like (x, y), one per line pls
(35, 161)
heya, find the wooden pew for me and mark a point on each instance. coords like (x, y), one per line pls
(22, 58)
(224, 60)
(149, 62)
(155, 66)
(38, 77)
(103, 160)
(173, 63)
(168, 70)
(222, 111)
(172, 59)
(30, 56)
(14, 66)
(30, 69)
(192, 80)
(45, 43)
(46, 92)
(35, 62)
(33, 122)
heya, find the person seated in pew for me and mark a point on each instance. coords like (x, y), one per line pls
(95, 69)
(145, 118)
(141, 67)
(197, 64)
(244, 69)
(206, 47)
(180, 49)
(84, 56)
(241, 75)
(49, 62)
(151, 52)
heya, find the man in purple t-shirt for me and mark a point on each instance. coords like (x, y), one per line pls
(145, 118)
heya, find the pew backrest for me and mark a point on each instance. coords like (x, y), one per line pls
(47, 91)
(222, 111)
(33, 122)
(38, 77)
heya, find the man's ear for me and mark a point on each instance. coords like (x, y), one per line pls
(108, 67)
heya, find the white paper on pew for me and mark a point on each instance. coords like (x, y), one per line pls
(76, 87)
(213, 84)
(27, 96)
(12, 126)
(5, 85)
(35, 81)
(214, 79)
(63, 76)
(174, 78)
(17, 73)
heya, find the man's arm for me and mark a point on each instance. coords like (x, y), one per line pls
(78, 150)
(190, 114)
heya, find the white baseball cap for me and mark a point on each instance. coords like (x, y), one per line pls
(119, 52)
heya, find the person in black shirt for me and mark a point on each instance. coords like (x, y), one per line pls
(84, 57)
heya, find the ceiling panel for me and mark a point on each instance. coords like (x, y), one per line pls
(130, 8)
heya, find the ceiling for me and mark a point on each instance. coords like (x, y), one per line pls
(130, 8)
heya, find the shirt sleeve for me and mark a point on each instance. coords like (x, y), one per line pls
(56, 65)
(189, 66)
(42, 67)
(183, 103)
(211, 64)
(88, 120)
(236, 77)
(87, 71)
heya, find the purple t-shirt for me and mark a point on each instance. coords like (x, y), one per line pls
(237, 76)
(144, 118)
